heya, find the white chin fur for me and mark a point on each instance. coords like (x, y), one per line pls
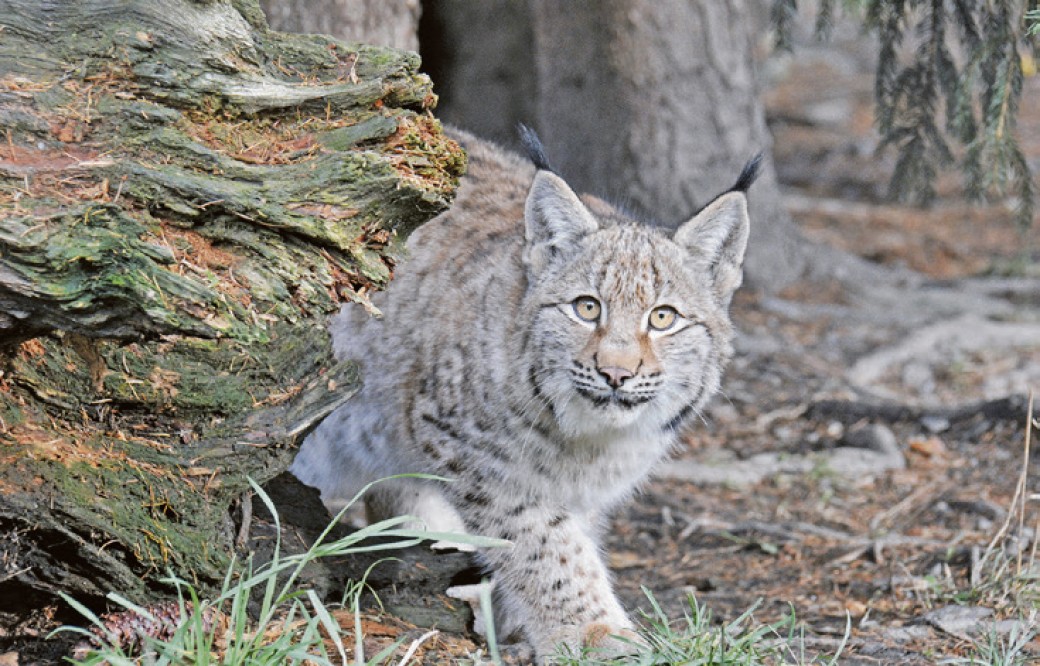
(579, 418)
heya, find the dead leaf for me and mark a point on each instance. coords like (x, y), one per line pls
(931, 447)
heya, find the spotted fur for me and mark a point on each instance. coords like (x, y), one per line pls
(486, 370)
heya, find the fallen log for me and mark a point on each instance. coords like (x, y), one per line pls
(184, 198)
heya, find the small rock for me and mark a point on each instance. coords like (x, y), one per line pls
(862, 464)
(977, 430)
(906, 634)
(960, 621)
(9, 659)
(868, 451)
(935, 424)
(874, 436)
(835, 429)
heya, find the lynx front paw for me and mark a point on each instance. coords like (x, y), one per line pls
(614, 641)
(605, 640)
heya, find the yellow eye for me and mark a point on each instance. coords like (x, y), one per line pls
(587, 308)
(663, 318)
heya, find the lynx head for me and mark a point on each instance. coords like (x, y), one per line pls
(630, 325)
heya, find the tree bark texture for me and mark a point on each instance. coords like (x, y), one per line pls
(382, 22)
(650, 103)
(184, 197)
(677, 111)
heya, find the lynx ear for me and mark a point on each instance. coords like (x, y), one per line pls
(716, 239)
(555, 220)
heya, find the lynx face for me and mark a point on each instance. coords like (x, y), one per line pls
(629, 326)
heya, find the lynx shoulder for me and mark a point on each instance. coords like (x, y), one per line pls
(543, 350)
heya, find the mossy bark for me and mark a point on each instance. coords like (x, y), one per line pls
(184, 197)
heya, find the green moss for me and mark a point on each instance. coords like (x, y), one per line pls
(251, 11)
(162, 521)
(94, 255)
(121, 470)
(377, 61)
(345, 138)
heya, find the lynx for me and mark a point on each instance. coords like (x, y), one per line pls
(544, 351)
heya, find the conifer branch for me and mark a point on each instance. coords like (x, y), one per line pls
(978, 90)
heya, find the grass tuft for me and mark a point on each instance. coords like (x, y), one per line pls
(290, 626)
(1005, 575)
(697, 640)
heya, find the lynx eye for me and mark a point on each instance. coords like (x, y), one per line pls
(587, 308)
(663, 318)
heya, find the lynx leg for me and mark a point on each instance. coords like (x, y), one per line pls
(417, 498)
(553, 581)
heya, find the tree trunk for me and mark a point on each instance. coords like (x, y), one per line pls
(384, 22)
(184, 198)
(676, 112)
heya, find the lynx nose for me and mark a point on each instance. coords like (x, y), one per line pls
(615, 376)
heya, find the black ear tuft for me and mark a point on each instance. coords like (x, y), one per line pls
(534, 148)
(748, 174)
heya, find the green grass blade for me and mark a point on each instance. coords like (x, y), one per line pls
(489, 622)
